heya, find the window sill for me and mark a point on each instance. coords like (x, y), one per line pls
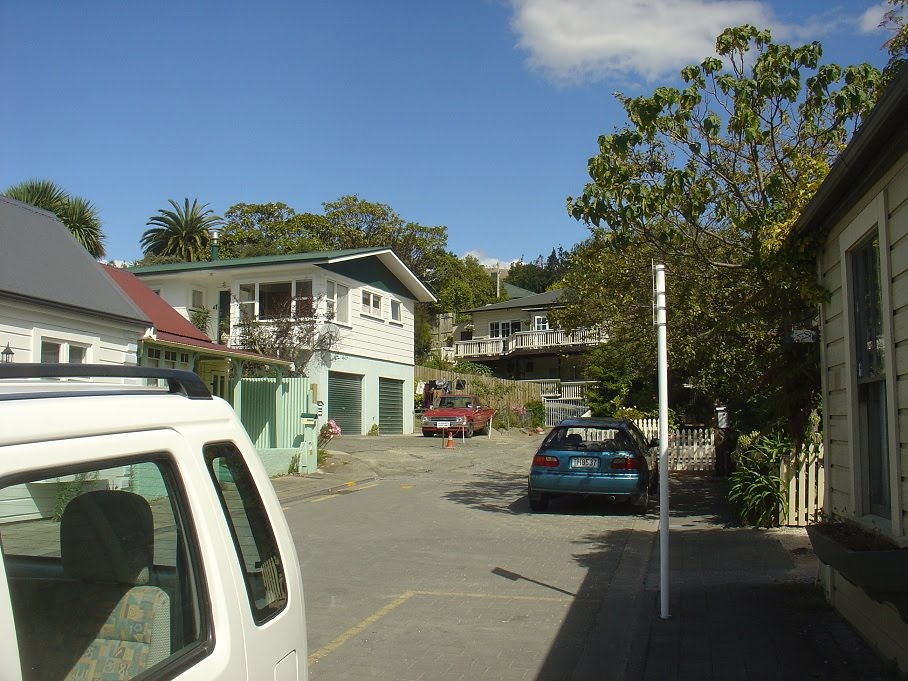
(394, 323)
(372, 317)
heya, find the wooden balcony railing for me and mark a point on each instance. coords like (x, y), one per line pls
(527, 340)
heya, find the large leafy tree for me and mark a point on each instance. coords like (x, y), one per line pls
(540, 274)
(710, 178)
(182, 232)
(252, 229)
(78, 214)
(350, 222)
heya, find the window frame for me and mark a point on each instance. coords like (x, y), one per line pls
(193, 652)
(871, 221)
(337, 302)
(396, 311)
(65, 343)
(372, 310)
(260, 615)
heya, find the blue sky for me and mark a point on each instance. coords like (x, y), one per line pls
(479, 115)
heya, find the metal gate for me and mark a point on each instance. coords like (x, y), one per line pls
(345, 401)
(390, 406)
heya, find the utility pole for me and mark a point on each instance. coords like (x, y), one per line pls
(659, 309)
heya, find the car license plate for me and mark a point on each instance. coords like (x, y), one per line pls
(584, 462)
(443, 424)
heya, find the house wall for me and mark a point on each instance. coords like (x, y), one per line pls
(369, 346)
(482, 319)
(884, 210)
(364, 335)
(23, 325)
(371, 370)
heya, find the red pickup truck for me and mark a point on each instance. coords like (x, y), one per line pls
(460, 414)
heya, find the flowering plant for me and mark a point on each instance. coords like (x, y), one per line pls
(330, 429)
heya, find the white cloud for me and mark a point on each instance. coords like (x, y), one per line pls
(576, 40)
(869, 21)
(489, 261)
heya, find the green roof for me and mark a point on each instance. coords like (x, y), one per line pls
(313, 258)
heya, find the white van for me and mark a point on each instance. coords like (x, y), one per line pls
(140, 536)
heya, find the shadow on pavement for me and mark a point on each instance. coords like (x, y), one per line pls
(701, 497)
(740, 608)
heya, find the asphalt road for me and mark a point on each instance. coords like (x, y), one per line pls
(437, 569)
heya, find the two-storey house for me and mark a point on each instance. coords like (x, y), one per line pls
(367, 296)
(516, 340)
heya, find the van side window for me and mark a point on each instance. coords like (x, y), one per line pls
(252, 534)
(103, 571)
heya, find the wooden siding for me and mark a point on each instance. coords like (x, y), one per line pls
(892, 192)
(23, 324)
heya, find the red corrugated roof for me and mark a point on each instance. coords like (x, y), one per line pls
(170, 326)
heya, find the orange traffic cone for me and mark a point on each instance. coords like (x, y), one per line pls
(450, 443)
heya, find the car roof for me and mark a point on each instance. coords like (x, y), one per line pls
(595, 422)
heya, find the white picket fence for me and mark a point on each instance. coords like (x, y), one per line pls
(804, 480)
(689, 449)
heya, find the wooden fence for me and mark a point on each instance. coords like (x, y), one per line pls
(689, 449)
(803, 480)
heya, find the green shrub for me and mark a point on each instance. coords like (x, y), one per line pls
(374, 429)
(755, 486)
(536, 411)
(293, 467)
(472, 368)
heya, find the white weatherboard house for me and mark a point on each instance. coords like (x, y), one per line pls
(56, 302)
(858, 221)
(370, 295)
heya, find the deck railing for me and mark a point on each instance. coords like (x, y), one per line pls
(527, 340)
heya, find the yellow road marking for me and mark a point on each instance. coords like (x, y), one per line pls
(349, 485)
(359, 628)
(406, 596)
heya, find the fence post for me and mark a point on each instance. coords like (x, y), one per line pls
(787, 509)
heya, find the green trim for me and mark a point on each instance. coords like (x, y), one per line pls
(233, 263)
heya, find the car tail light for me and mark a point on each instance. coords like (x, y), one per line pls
(544, 461)
(626, 463)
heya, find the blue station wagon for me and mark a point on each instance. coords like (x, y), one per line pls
(605, 457)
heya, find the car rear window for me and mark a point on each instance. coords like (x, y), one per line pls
(588, 438)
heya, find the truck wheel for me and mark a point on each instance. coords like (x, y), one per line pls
(469, 430)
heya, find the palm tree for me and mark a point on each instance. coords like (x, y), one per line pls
(78, 214)
(181, 232)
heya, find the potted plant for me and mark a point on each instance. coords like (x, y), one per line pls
(863, 556)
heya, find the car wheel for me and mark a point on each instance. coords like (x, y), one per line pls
(428, 433)
(469, 430)
(539, 501)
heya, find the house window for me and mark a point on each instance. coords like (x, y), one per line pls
(166, 359)
(870, 363)
(503, 329)
(247, 302)
(303, 302)
(395, 311)
(62, 352)
(371, 304)
(198, 299)
(540, 323)
(338, 302)
(274, 300)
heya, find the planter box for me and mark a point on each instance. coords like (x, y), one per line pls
(873, 570)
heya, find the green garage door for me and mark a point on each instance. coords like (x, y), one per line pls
(345, 402)
(390, 406)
